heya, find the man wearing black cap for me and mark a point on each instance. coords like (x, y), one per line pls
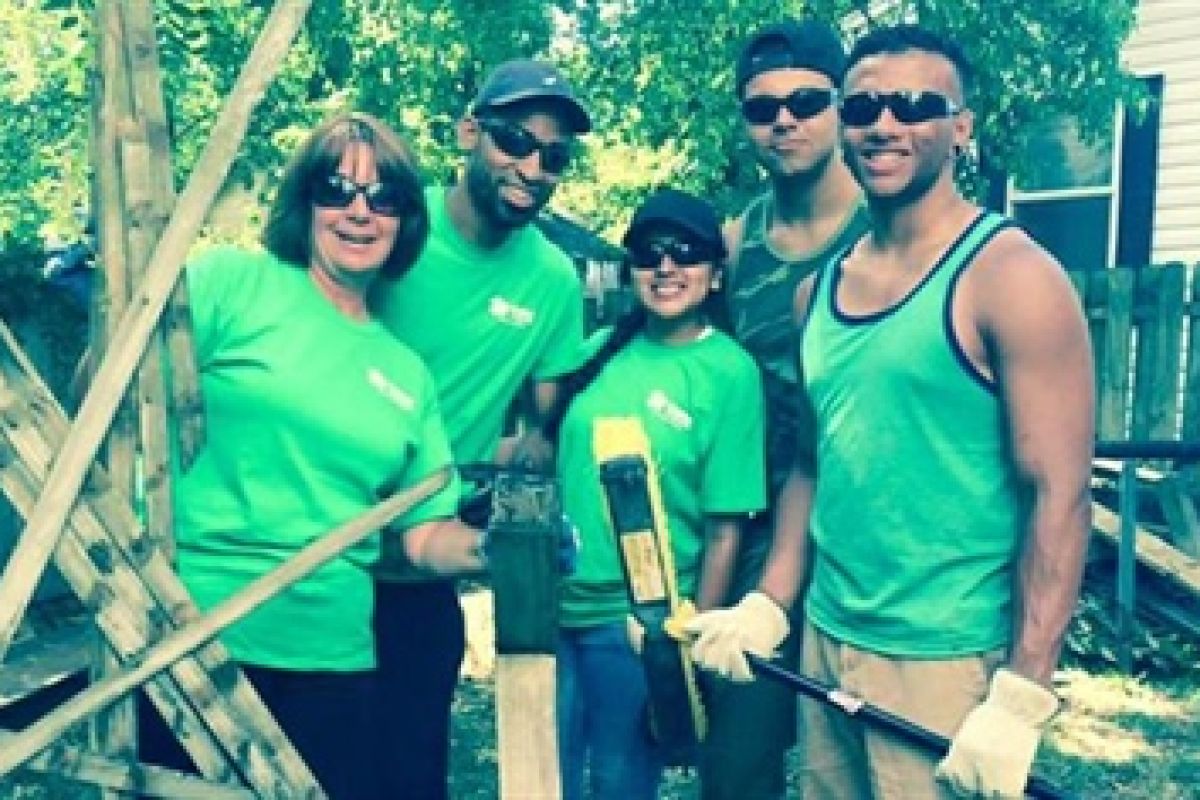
(490, 305)
(786, 78)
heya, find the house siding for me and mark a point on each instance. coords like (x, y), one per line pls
(1164, 43)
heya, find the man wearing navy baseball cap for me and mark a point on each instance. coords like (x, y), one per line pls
(490, 306)
(785, 83)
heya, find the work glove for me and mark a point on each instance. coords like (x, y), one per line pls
(568, 545)
(756, 625)
(992, 753)
(674, 626)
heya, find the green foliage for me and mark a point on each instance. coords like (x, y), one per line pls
(658, 74)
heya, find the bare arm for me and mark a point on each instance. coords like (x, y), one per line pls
(786, 571)
(1041, 358)
(722, 536)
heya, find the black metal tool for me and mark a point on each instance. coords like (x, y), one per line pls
(856, 707)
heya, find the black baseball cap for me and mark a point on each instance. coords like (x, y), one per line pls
(791, 44)
(527, 79)
(673, 208)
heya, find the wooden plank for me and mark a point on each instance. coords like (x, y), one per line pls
(36, 545)
(131, 608)
(121, 776)
(524, 527)
(1180, 569)
(1159, 300)
(149, 198)
(180, 642)
(1113, 367)
(114, 733)
(526, 729)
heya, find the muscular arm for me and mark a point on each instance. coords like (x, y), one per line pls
(722, 535)
(1041, 358)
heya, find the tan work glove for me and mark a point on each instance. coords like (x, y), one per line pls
(992, 753)
(723, 636)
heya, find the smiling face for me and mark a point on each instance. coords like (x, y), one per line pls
(508, 189)
(351, 243)
(672, 277)
(898, 163)
(789, 144)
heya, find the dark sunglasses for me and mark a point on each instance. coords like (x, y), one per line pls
(864, 108)
(763, 109)
(520, 143)
(338, 191)
(648, 255)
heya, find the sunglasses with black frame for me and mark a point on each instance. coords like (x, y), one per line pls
(804, 103)
(648, 253)
(860, 109)
(517, 142)
(338, 191)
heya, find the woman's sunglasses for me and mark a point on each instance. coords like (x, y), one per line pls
(338, 191)
(648, 255)
(863, 108)
(517, 142)
(806, 103)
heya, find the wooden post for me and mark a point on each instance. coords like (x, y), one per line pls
(523, 561)
(28, 560)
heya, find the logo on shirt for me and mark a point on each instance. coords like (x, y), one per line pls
(666, 410)
(397, 396)
(509, 313)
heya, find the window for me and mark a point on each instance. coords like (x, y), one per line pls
(1091, 204)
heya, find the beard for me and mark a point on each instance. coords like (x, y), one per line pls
(484, 190)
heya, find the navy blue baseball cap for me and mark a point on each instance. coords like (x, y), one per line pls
(791, 44)
(527, 79)
(673, 208)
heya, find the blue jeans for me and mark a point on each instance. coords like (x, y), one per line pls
(602, 726)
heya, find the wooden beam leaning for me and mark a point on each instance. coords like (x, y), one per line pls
(45, 522)
(181, 642)
(117, 570)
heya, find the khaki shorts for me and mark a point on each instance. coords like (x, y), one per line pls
(844, 759)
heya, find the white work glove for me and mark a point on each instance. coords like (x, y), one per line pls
(992, 753)
(723, 636)
(635, 633)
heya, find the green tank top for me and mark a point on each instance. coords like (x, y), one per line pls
(917, 518)
(760, 299)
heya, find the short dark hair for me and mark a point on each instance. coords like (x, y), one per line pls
(903, 38)
(288, 233)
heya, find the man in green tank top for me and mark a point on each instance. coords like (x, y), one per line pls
(936, 518)
(786, 78)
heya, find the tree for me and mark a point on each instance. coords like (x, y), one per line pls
(658, 74)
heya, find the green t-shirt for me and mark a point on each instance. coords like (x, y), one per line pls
(484, 321)
(702, 408)
(312, 417)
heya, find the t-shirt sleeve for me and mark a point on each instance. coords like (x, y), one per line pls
(211, 282)
(431, 453)
(563, 352)
(734, 478)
